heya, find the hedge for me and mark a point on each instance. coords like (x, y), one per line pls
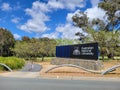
(12, 62)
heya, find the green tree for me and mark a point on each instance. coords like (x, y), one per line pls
(112, 8)
(7, 42)
(21, 49)
(25, 38)
(107, 40)
(35, 48)
(25, 49)
(47, 47)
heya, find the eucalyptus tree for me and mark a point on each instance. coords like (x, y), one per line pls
(7, 42)
(112, 8)
(107, 33)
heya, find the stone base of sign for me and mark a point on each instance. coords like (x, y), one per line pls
(88, 64)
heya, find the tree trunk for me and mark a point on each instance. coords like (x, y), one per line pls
(110, 56)
(103, 58)
(42, 58)
(1, 53)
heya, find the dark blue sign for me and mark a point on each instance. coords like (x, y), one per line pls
(82, 51)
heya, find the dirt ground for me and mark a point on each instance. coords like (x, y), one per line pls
(68, 72)
(75, 72)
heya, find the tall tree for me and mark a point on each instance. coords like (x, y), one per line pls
(112, 8)
(107, 40)
(7, 42)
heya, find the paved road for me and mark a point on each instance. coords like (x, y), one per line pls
(31, 68)
(54, 84)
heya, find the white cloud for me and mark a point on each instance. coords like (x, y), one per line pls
(55, 4)
(68, 31)
(16, 20)
(38, 18)
(34, 25)
(16, 36)
(39, 15)
(95, 12)
(42, 7)
(65, 4)
(95, 3)
(5, 7)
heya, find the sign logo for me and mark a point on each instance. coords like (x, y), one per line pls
(76, 51)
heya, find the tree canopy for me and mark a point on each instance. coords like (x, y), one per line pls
(7, 42)
(107, 34)
(35, 48)
(112, 8)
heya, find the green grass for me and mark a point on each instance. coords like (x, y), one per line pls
(106, 58)
(45, 59)
(12, 62)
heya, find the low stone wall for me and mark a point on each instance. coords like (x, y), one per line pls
(88, 64)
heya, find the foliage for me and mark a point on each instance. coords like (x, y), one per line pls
(12, 62)
(35, 48)
(46, 59)
(7, 42)
(67, 41)
(108, 41)
(25, 38)
(112, 8)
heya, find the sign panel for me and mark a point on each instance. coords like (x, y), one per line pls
(82, 51)
(85, 51)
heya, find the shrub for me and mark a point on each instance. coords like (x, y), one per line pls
(12, 62)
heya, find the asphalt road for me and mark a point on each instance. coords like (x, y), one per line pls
(54, 84)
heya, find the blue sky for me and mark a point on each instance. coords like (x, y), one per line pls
(45, 18)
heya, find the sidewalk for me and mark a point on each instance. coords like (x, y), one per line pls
(21, 74)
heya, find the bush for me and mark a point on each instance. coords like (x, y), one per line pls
(12, 62)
